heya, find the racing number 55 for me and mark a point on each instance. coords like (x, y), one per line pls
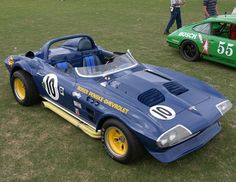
(228, 51)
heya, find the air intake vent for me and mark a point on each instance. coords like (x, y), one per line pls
(151, 97)
(175, 88)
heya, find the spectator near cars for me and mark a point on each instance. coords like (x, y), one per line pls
(210, 8)
(175, 15)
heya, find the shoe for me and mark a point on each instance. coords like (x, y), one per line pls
(166, 33)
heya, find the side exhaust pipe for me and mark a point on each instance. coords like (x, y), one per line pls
(84, 127)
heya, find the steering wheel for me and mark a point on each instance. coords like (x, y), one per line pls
(109, 59)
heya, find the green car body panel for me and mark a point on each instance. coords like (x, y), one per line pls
(214, 37)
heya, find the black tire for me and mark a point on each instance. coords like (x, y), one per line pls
(130, 148)
(24, 88)
(189, 51)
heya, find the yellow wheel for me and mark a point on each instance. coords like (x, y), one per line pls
(19, 89)
(119, 143)
(116, 141)
(23, 88)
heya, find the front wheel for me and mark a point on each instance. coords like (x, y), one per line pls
(189, 51)
(119, 143)
(24, 88)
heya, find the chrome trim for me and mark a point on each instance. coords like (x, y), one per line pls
(184, 139)
(41, 74)
(109, 73)
(179, 125)
(217, 106)
(104, 74)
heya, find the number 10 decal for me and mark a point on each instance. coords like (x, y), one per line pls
(228, 51)
(162, 112)
(50, 82)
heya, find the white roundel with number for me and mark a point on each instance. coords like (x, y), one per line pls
(51, 86)
(162, 112)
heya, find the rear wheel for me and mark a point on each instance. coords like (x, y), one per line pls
(189, 51)
(24, 88)
(119, 143)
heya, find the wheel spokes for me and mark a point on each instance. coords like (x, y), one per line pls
(19, 89)
(117, 141)
(190, 50)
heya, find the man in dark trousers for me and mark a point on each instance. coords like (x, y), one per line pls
(175, 15)
(210, 8)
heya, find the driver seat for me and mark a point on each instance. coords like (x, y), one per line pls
(233, 32)
(90, 61)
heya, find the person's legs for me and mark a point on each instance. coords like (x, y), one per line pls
(178, 19)
(171, 21)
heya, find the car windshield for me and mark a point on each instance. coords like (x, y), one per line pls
(117, 64)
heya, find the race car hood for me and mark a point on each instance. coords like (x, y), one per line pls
(149, 87)
(146, 89)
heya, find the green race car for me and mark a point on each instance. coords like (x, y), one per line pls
(212, 39)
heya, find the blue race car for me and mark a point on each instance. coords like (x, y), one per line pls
(109, 95)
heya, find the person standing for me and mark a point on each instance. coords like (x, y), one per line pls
(175, 15)
(210, 8)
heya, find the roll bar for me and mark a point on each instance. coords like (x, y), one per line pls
(46, 46)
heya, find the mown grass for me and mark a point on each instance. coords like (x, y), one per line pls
(37, 145)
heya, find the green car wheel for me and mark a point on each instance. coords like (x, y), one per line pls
(189, 51)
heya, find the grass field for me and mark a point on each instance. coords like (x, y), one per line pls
(37, 145)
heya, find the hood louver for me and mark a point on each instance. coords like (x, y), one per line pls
(151, 97)
(175, 88)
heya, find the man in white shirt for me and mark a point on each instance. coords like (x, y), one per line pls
(175, 15)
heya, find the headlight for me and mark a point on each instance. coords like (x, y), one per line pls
(224, 106)
(174, 136)
(11, 61)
